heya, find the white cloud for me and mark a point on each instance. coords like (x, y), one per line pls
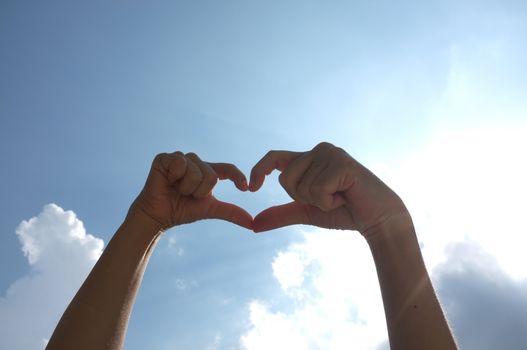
(290, 267)
(333, 285)
(183, 285)
(468, 180)
(464, 186)
(171, 241)
(469, 185)
(172, 245)
(60, 254)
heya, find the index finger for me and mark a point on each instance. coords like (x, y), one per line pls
(272, 160)
(231, 172)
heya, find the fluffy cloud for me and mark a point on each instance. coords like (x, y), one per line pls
(464, 187)
(172, 245)
(60, 255)
(468, 185)
(331, 281)
(184, 285)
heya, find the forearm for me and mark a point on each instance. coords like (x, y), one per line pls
(98, 315)
(414, 316)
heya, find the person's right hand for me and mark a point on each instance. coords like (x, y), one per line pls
(178, 191)
(330, 189)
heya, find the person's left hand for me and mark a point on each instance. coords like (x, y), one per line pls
(178, 191)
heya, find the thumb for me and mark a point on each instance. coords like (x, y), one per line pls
(284, 215)
(230, 212)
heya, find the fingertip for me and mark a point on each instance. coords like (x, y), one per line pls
(258, 226)
(249, 225)
(261, 222)
(253, 179)
(256, 183)
(242, 185)
(240, 181)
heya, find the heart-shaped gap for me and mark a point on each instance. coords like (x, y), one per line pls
(270, 194)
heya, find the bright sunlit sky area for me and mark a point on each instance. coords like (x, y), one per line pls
(430, 95)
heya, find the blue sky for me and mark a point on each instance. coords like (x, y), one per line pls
(429, 95)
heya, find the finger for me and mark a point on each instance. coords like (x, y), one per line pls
(304, 187)
(208, 180)
(271, 161)
(325, 189)
(230, 212)
(282, 215)
(172, 166)
(191, 180)
(231, 172)
(291, 176)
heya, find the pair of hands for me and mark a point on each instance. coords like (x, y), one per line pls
(329, 189)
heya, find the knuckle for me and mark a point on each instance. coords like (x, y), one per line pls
(340, 153)
(324, 146)
(271, 154)
(159, 157)
(192, 155)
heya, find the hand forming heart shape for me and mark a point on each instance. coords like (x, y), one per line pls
(328, 187)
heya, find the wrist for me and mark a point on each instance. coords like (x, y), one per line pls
(391, 227)
(143, 222)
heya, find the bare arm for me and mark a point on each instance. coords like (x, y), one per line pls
(413, 313)
(98, 315)
(332, 190)
(177, 191)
